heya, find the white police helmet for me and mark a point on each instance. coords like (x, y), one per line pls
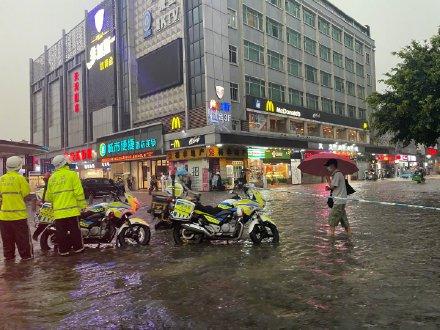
(59, 161)
(14, 163)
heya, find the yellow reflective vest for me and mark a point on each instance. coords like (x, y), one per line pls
(13, 189)
(65, 192)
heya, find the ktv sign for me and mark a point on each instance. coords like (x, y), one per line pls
(168, 14)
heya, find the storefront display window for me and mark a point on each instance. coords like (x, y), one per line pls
(257, 122)
(277, 125)
(352, 135)
(341, 134)
(313, 129)
(269, 166)
(297, 127)
(362, 137)
(327, 132)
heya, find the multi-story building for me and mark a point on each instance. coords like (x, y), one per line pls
(144, 86)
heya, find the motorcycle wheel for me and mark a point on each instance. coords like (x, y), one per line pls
(47, 240)
(265, 232)
(184, 236)
(134, 235)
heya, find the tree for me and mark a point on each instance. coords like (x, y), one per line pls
(409, 110)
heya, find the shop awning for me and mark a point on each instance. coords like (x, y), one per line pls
(11, 148)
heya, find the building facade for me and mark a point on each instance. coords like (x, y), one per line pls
(215, 86)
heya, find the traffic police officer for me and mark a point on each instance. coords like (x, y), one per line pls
(65, 192)
(13, 214)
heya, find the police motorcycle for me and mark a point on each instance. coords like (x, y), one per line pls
(101, 223)
(194, 222)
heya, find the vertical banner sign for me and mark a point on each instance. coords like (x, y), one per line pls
(101, 59)
(76, 89)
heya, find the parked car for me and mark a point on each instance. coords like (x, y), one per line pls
(406, 175)
(98, 187)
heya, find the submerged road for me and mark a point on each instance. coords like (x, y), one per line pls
(386, 275)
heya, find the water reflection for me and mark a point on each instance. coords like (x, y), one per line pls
(386, 275)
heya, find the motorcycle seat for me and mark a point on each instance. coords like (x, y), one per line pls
(209, 209)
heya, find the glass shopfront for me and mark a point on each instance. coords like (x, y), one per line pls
(269, 166)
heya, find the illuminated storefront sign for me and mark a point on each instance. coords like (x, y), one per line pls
(126, 145)
(406, 158)
(219, 112)
(187, 142)
(148, 24)
(101, 56)
(176, 123)
(264, 153)
(76, 90)
(340, 147)
(123, 158)
(80, 155)
(256, 153)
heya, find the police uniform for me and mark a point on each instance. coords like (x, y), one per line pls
(65, 192)
(13, 216)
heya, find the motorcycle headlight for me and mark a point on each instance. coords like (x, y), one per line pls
(239, 212)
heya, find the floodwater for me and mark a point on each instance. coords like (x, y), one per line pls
(386, 275)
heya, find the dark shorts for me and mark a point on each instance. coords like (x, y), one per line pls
(338, 215)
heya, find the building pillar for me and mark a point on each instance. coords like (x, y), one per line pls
(335, 133)
(306, 130)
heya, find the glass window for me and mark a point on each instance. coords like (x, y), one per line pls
(362, 114)
(234, 91)
(253, 52)
(296, 97)
(341, 133)
(274, 29)
(340, 108)
(323, 26)
(294, 67)
(297, 127)
(276, 92)
(339, 84)
(310, 46)
(275, 2)
(293, 8)
(326, 105)
(232, 54)
(348, 40)
(369, 79)
(337, 59)
(293, 38)
(367, 58)
(312, 102)
(275, 60)
(352, 135)
(336, 34)
(311, 74)
(350, 88)
(255, 87)
(359, 47)
(324, 53)
(252, 18)
(349, 65)
(313, 129)
(327, 132)
(361, 92)
(257, 122)
(351, 111)
(326, 79)
(359, 69)
(309, 17)
(232, 18)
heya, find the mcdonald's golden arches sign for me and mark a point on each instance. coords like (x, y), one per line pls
(270, 107)
(176, 123)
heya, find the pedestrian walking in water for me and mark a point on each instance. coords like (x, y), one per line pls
(13, 214)
(336, 183)
(65, 192)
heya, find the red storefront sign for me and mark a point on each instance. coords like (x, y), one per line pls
(386, 158)
(127, 157)
(76, 88)
(80, 155)
(431, 151)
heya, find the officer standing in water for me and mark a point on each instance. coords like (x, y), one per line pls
(13, 214)
(65, 192)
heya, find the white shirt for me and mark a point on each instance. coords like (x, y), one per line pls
(340, 190)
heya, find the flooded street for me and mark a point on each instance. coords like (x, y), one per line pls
(386, 275)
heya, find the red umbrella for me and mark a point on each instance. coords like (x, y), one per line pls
(315, 164)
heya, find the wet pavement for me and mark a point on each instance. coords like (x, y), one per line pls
(386, 275)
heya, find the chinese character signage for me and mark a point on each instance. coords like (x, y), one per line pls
(219, 112)
(101, 60)
(76, 92)
(145, 140)
(80, 155)
(187, 142)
